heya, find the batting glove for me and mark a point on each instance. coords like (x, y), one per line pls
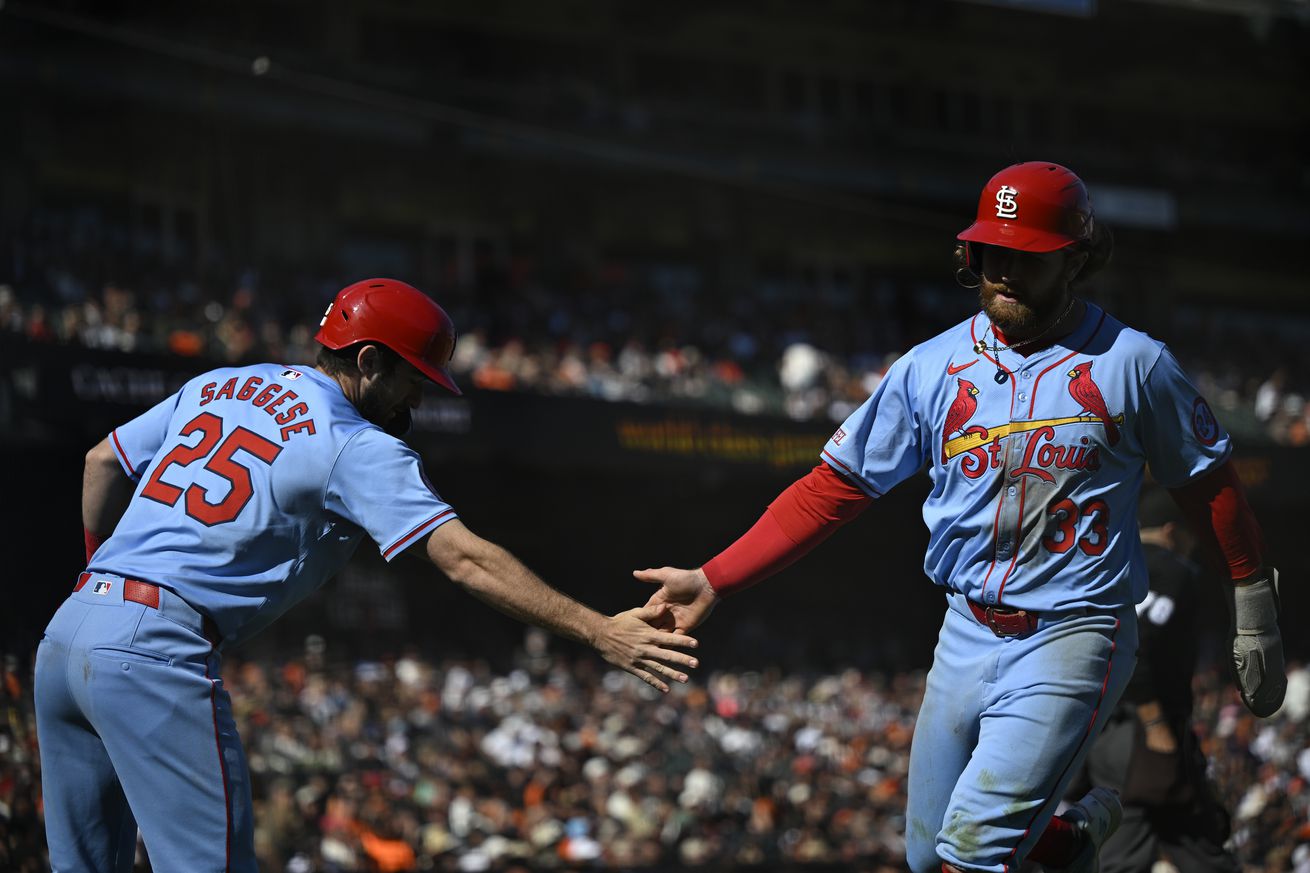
(1257, 644)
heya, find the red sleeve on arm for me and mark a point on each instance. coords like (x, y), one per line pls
(801, 517)
(92, 542)
(1216, 506)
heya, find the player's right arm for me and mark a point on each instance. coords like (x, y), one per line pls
(809, 511)
(113, 467)
(627, 640)
(106, 492)
(879, 446)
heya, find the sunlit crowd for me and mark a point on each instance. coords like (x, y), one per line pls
(804, 348)
(415, 764)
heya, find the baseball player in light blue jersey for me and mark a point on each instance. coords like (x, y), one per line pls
(1036, 420)
(228, 503)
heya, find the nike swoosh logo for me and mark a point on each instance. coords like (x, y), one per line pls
(951, 369)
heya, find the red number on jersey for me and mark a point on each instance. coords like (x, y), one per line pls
(221, 464)
(1100, 513)
(211, 428)
(1065, 516)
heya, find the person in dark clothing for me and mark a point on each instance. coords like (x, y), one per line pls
(1148, 750)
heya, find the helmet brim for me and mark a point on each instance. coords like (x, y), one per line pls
(440, 375)
(1013, 236)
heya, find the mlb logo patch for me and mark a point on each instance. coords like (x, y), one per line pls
(101, 587)
(290, 374)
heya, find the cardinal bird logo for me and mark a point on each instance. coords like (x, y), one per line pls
(1084, 390)
(962, 409)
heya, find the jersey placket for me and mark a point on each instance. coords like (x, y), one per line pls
(1009, 519)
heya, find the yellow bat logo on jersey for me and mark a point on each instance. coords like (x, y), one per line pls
(969, 441)
(982, 448)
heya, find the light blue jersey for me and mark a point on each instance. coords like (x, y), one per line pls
(1035, 478)
(256, 484)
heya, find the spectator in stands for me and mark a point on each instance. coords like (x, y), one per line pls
(359, 766)
(806, 362)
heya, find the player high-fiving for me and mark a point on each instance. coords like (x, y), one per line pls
(1036, 463)
(228, 503)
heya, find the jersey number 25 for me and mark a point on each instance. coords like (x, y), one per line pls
(221, 463)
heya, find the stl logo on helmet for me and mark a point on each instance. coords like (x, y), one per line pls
(1006, 207)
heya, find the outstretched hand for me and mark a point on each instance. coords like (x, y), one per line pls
(634, 641)
(686, 594)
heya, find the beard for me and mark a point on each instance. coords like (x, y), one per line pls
(1016, 318)
(396, 422)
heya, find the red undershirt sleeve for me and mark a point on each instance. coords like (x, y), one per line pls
(804, 515)
(1216, 506)
(92, 541)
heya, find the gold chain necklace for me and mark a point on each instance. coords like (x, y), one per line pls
(982, 345)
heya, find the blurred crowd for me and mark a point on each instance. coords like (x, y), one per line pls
(606, 344)
(808, 344)
(550, 763)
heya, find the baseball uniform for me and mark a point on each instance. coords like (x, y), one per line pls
(253, 486)
(1036, 460)
(1036, 463)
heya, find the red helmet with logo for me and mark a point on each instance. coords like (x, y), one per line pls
(398, 316)
(1035, 206)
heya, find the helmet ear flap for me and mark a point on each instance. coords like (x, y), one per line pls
(968, 264)
(968, 256)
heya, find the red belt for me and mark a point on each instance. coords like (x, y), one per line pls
(147, 593)
(1005, 622)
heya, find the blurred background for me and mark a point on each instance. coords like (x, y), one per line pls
(680, 242)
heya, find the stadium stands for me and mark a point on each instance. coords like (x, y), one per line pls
(555, 763)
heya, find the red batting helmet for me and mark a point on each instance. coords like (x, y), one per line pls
(1036, 206)
(395, 315)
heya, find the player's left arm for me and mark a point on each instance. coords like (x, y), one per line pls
(1189, 453)
(378, 483)
(1216, 506)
